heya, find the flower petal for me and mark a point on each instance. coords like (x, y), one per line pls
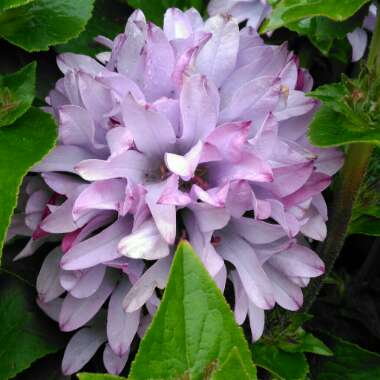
(97, 249)
(121, 325)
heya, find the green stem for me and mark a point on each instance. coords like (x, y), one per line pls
(349, 182)
(374, 51)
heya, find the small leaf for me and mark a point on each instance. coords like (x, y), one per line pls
(284, 365)
(108, 19)
(305, 342)
(232, 368)
(350, 362)
(23, 337)
(16, 93)
(7, 4)
(41, 23)
(290, 11)
(98, 376)
(330, 128)
(22, 144)
(193, 330)
(365, 225)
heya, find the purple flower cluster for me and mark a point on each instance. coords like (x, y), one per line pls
(196, 131)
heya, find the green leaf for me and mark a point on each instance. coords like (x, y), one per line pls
(155, 10)
(7, 4)
(350, 362)
(286, 12)
(22, 144)
(330, 128)
(42, 23)
(24, 338)
(365, 225)
(350, 111)
(16, 93)
(98, 376)
(232, 368)
(329, 36)
(305, 342)
(284, 365)
(108, 19)
(193, 330)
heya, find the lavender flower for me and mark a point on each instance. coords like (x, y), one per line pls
(197, 131)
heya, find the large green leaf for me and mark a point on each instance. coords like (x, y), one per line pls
(22, 144)
(154, 10)
(283, 365)
(108, 19)
(193, 330)
(290, 11)
(98, 376)
(350, 362)
(24, 337)
(330, 36)
(7, 4)
(42, 23)
(16, 93)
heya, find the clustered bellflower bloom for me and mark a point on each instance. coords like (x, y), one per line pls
(196, 131)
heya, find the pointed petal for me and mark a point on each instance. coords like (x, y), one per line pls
(287, 294)
(298, 261)
(62, 183)
(77, 312)
(255, 281)
(358, 39)
(210, 218)
(114, 363)
(100, 195)
(121, 325)
(155, 277)
(62, 159)
(97, 249)
(48, 285)
(217, 58)
(199, 103)
(89, 282)
(256, 321)
(185, 166)
(152, 132)
(164, 215)
(145, 242)
(81, 348)
(130, 164)
(77, 62)
(159, 64)
(241, 299)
